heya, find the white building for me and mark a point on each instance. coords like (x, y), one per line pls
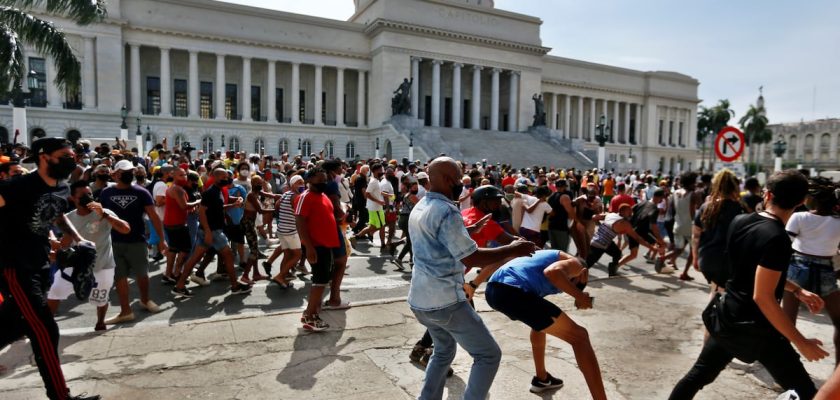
(813, 144)
(203, 70)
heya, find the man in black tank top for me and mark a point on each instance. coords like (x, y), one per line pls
(558, 221)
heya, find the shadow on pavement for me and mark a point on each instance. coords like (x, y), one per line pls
(314, 352)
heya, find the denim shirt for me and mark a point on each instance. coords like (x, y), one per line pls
(439, 240)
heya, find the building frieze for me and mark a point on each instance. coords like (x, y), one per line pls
(449, 58)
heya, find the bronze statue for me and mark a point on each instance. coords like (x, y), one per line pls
(539, 110)
(401, 102)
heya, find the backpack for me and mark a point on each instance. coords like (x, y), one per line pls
(82, 259)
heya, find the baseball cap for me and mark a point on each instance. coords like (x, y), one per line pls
(422, 175)
(124, 165)
(46, 146)
(295, 179)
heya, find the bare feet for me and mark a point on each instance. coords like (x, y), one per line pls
(258, 277)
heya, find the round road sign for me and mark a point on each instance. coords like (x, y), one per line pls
(729, 144)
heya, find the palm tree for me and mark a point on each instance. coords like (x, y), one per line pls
(754, 125)
(712, 120)
(19, 26)
(704, 129)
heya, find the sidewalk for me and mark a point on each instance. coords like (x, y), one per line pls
(646, 331)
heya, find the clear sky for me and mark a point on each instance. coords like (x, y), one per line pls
(732, 47)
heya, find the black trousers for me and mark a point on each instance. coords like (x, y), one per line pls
(595, 254)
(25, 313)
(780, 360)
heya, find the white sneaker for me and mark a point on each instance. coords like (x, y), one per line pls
(667, 270)
(150, 306)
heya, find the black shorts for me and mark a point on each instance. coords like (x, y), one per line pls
(235, 233)
(178, 238)
(632, 243)
(323, 268)
(519, 305)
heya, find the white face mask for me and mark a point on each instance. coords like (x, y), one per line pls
(244, 173)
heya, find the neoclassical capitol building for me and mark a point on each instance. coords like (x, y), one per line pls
(220, 75)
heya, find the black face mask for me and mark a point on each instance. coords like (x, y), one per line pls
(224, 182)
(126, 178)
(257, 188)
(102, 177)
(140, 178)
(319, 187)
(170, 179)
(62, 169)
(414, 192)
(456, 191)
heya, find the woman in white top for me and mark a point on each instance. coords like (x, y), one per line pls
(816, 236)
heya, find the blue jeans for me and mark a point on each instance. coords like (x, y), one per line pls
(455, 325)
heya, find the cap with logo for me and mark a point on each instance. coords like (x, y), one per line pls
(46, 146)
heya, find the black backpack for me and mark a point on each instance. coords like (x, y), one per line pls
(82, 259)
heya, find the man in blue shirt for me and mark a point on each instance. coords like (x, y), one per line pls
(442, 249)
(517, 289)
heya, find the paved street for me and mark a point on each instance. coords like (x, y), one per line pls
(645, 330)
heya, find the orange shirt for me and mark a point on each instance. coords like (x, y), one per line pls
(609, 187)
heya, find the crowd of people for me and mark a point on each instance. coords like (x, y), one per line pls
(515, 226)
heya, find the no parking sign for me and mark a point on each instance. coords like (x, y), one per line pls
(729, 144)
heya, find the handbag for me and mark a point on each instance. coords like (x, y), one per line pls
(745, 339)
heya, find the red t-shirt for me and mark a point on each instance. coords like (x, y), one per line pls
(491, 229)
(617, 201)
(509, 180)
(318, 211)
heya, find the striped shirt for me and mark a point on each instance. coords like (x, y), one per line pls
(605, 233)
(286, 211)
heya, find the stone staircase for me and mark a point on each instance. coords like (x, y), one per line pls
(521, 149)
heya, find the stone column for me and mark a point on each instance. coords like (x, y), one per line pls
(220, 87)
(593, 112)
(513, 102)
(606, 113)
(833, 153)
(692, 129)
(271, 93)
(319, 83)
(617, 122)
(626, 123)
(89, 74)
(339, 97)
(580, 117)
(194, 86)
(436, 92)
(567, 116)
(476, 98)
(494, 99)
(165, 83)
(638, 125)
(295, 93)
(456, 95)
(360, 99)
(415, 86)
(54, 95)
(246, 90)
(555, 124)
(136, 97)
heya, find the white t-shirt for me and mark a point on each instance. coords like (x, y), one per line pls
(96, 229)
(159, 190)
(375, 191)
(532, 220)
(467, 203)
(816, 235)
(386, 187)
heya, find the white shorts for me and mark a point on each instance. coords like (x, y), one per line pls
(289, 242)
(681, 241)
(62, 289)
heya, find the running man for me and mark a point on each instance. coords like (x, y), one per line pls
(612, 225)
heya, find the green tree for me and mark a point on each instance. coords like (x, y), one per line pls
(754, 125)
(712, 120)
(18, 26)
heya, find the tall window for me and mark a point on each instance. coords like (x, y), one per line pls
(39, 97)
(234, 144)
(302, 106)
(207, 144)
(350, 150)
(206, 100)
(661, 132)
(256, 108)
(329, 150)
(178, 140)
(152, 95)
(284, 146)
(259, 146)
(278, 104)
(180, 98)
(306, 147)
(4, 135)
(671, 133)
(680, 133)
(323, 107)
(230, 101)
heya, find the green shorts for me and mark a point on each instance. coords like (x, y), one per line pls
(131, 259)
(376, 218)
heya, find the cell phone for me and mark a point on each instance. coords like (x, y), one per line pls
(85, 200)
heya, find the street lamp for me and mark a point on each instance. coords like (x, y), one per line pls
(300, 149)
(411, 146)
(123, 126)
(630, 157)
(602, 136)
(19, 100)
(148, 137)
(779, 148)
(377, 148)
(138, 138)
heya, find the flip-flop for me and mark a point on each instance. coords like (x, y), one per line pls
(343, 306)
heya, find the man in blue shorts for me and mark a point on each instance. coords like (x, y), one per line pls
(517, 289)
